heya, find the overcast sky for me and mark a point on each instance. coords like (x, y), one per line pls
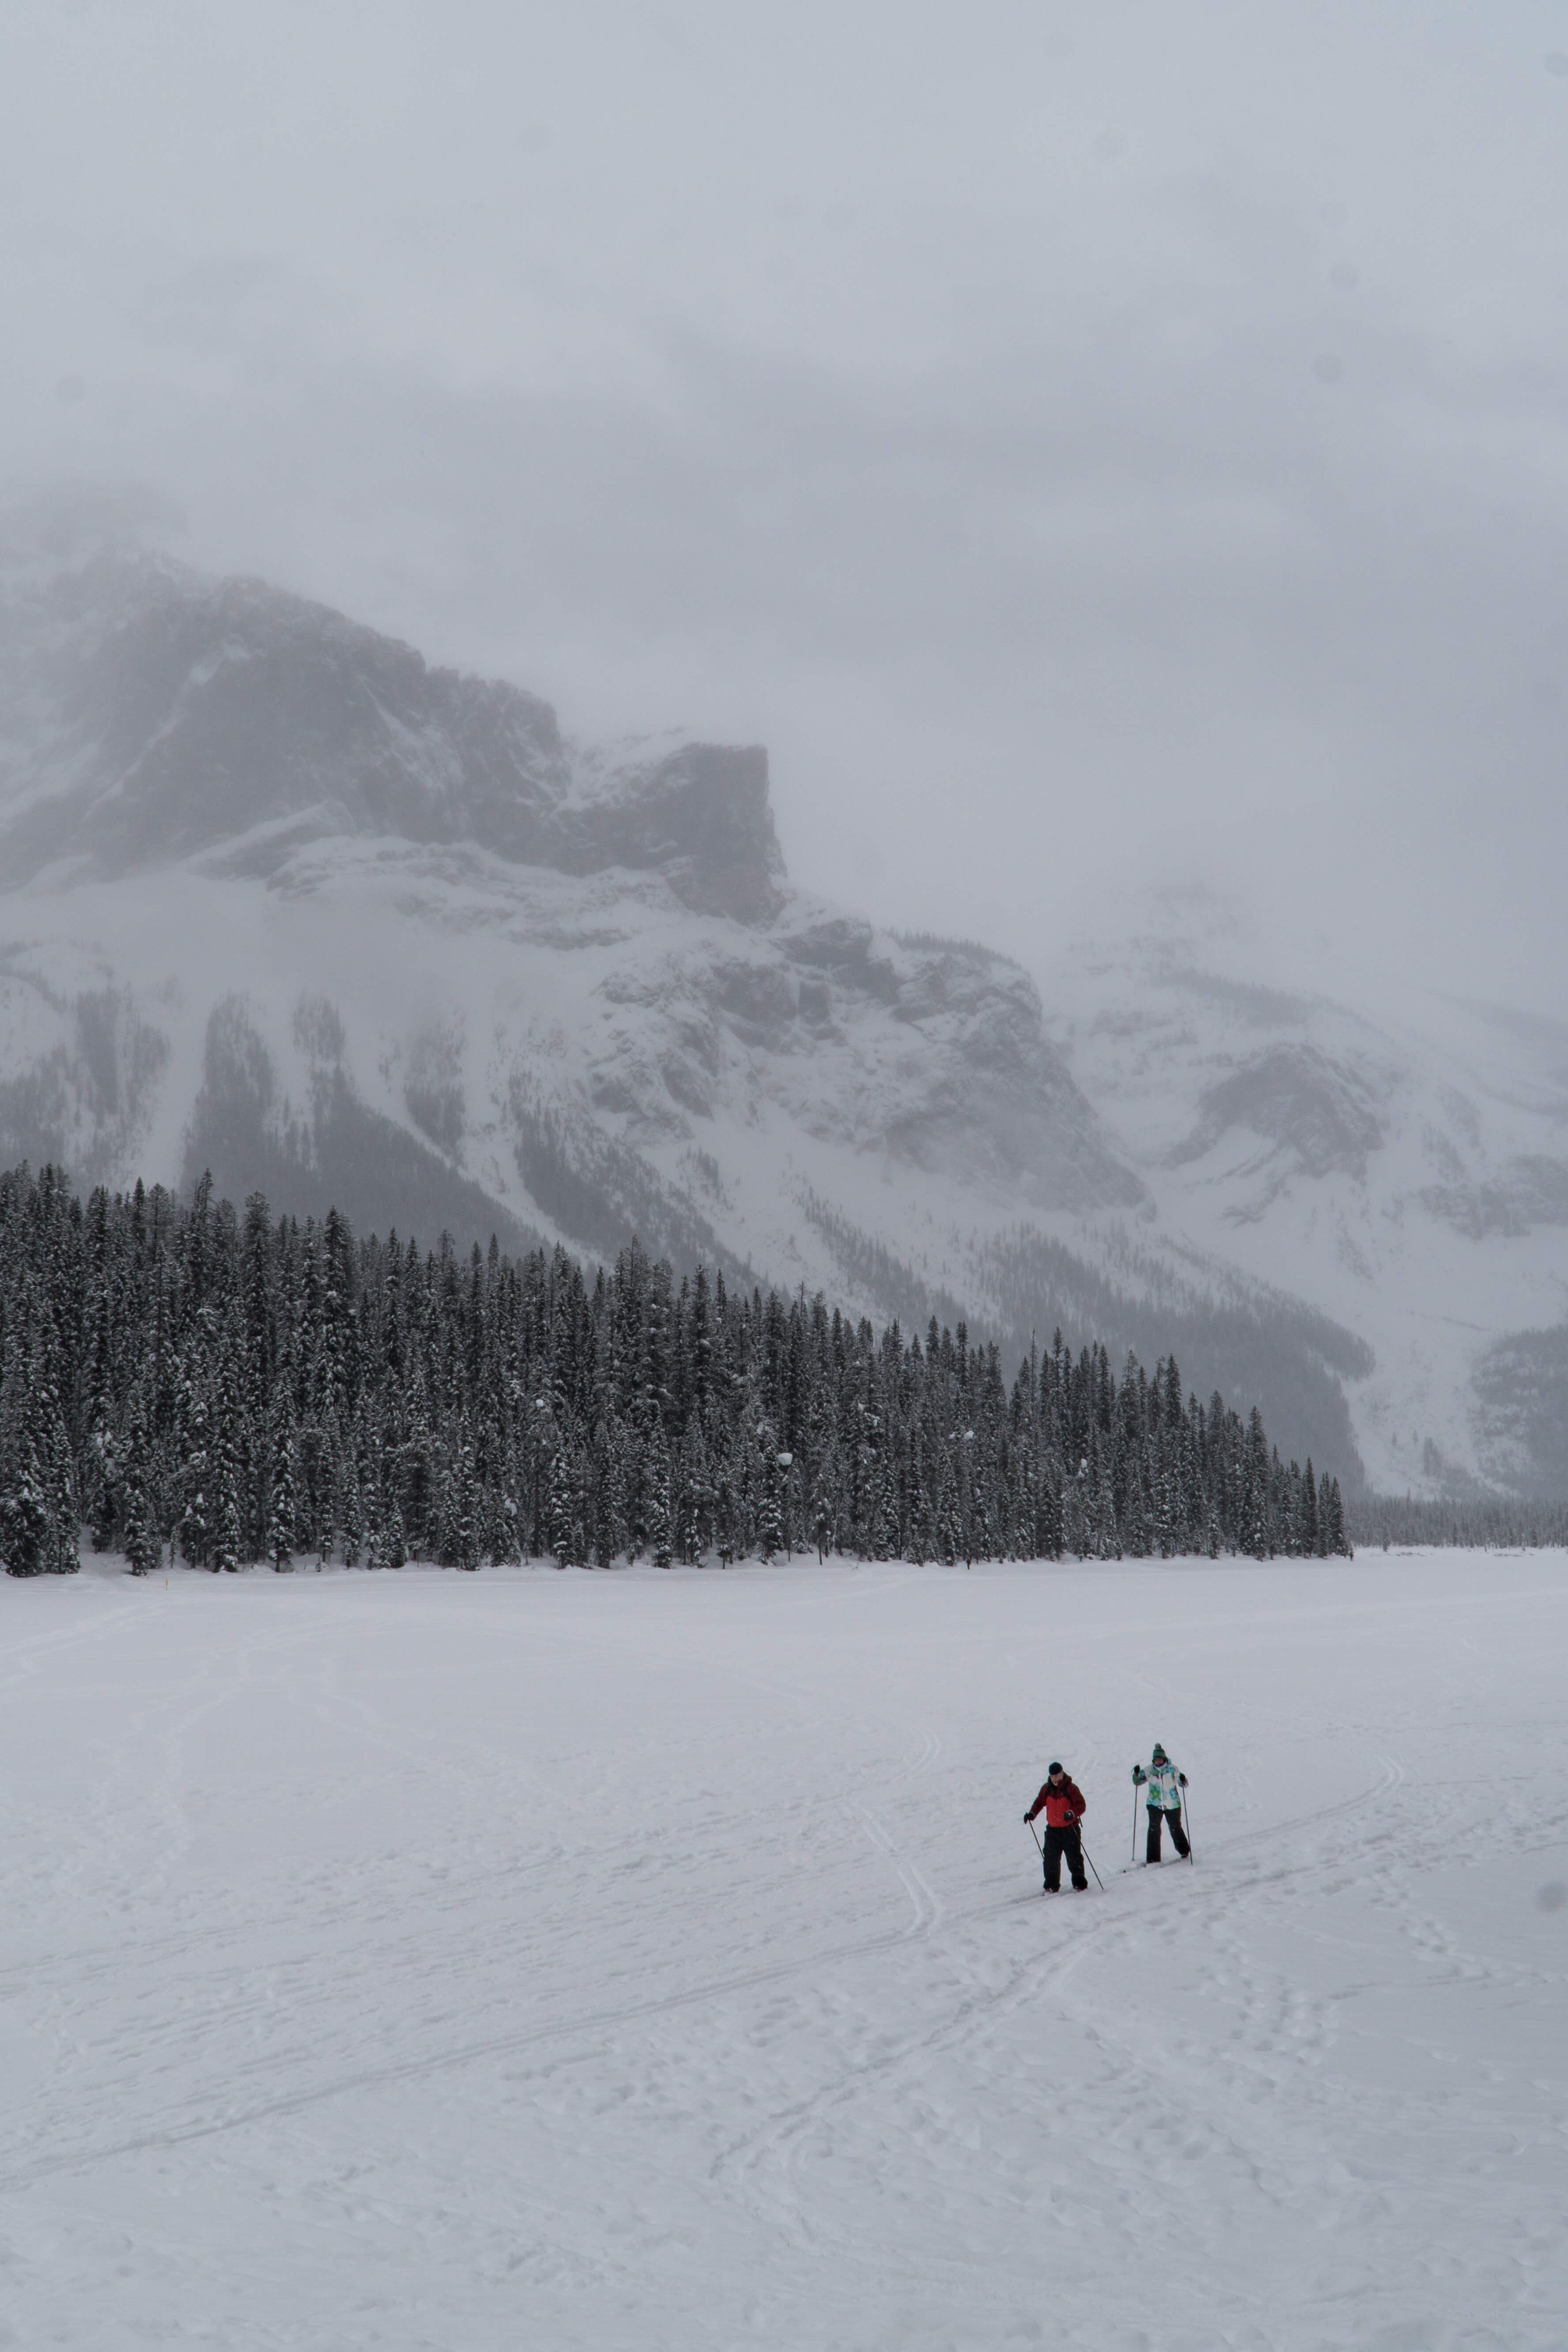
(1094, 447)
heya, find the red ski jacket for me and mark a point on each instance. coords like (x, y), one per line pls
(1063, 1804)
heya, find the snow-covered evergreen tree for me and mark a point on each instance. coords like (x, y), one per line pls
(283, 1492)
(143, 1548)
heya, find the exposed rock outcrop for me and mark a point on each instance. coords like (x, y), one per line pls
(154, 715)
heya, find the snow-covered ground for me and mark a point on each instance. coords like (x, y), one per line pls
(639, 1960)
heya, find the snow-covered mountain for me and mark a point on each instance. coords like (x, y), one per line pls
(282, 900)
(1407, 1175)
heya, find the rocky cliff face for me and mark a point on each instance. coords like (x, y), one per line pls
(156, 716)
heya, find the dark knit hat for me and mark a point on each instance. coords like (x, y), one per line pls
(1050, 1768)
(1161, 1753)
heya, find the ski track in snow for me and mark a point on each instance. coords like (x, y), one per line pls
(432, 1961)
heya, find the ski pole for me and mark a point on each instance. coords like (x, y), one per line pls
(1134, 1823)
(1186, 1820)
(1090, 1859)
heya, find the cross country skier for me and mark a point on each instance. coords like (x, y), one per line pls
(1064, 1806)
(1165, 1785)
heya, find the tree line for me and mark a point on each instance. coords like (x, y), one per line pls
(1476, 1522)
(224, 1387)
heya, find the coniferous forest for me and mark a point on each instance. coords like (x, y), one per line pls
(218, 1387)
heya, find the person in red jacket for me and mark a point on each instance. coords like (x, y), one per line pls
(1064, 1806)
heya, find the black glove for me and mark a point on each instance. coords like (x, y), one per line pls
(1028, 1820)
(1138, 1776)
(1182, 1779)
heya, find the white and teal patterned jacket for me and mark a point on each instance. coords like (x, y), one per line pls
(1162, 1787)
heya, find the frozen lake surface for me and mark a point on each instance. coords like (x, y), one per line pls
(649, 1962)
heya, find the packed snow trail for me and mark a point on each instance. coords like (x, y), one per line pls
(659, 1961)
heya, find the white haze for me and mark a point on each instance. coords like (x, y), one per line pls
(1093, 449)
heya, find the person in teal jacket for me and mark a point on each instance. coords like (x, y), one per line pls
(1165, 1785)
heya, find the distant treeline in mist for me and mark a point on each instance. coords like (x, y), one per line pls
(1478, 1525)
(220, 1387)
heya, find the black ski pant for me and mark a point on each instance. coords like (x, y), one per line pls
(1057, 1843)
(1179, 1834)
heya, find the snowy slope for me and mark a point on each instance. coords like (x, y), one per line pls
(285, 902)
(638, 1962)
(1409, 1175)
